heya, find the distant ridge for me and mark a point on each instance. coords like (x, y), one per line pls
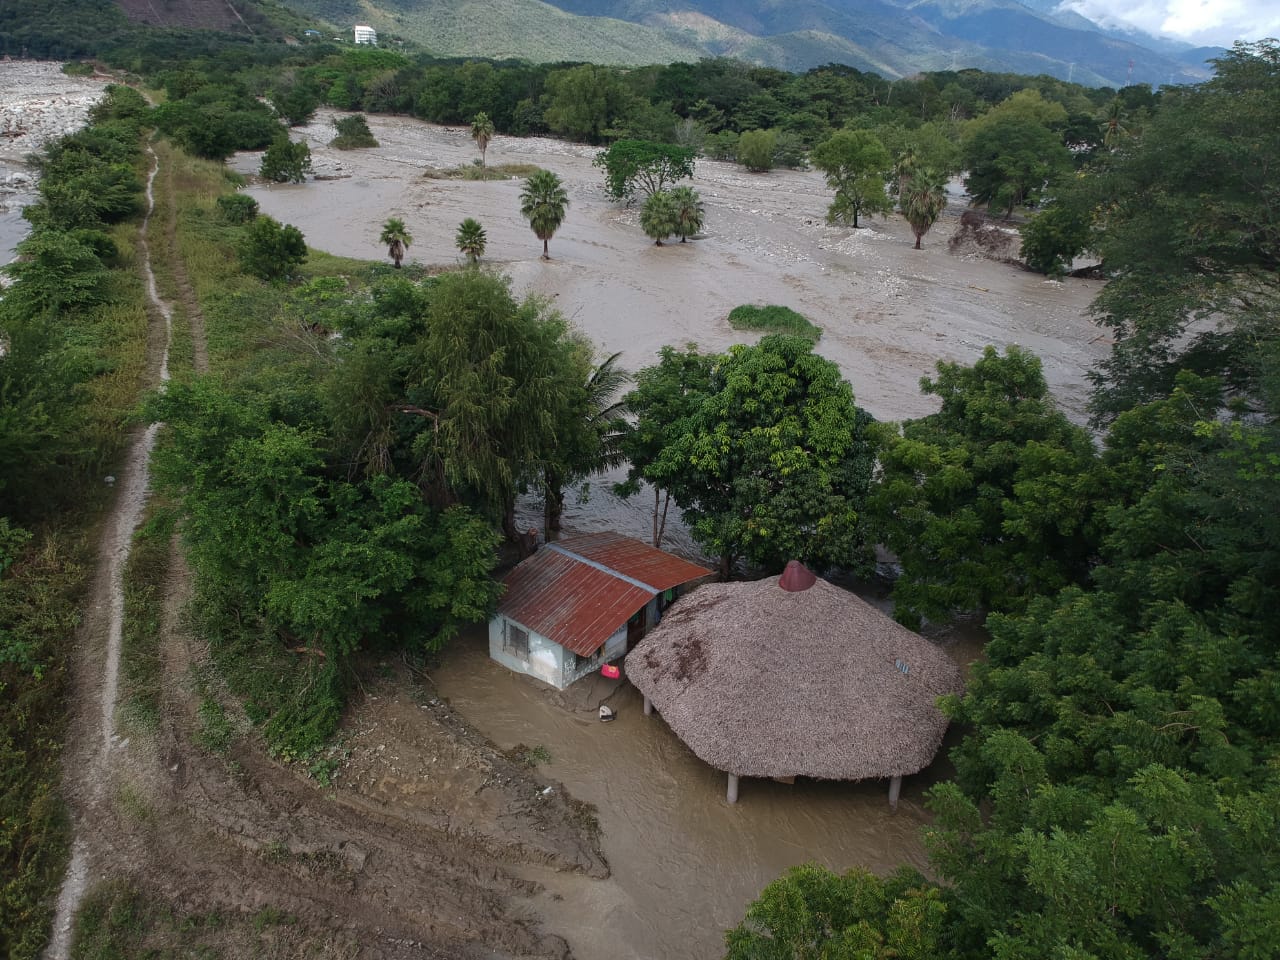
(895, 38)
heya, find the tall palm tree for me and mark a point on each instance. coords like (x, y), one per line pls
(593, 444)
(689, 214)
(471, 239)
(1113, 126)
(923, 201)
(658, 216)
(543, 202)
(482, 133)
(397, 239)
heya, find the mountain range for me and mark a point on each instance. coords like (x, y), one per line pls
(892, 37)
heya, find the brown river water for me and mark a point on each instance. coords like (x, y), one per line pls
(686, 863)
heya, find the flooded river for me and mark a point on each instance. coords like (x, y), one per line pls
(685, 863)
(888, 312)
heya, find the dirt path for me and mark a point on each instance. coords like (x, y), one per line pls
(105, 616)
(436, 862)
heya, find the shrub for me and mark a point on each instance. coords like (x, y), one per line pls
(237, 207)
(353, 133)
(272, 250)
(756, 150)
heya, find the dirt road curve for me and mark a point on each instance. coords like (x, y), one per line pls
(426, 872)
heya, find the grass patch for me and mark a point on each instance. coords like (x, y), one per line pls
(473, 171)
(773, 319)
(119, 920)
(142, 660)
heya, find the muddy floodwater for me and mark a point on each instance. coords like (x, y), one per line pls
(684, 863)
(888, 312)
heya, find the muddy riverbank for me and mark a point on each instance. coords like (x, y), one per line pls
(888, 312)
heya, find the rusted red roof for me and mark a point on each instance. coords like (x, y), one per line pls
(578, 592)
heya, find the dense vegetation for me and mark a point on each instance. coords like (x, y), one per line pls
(1118, 791)
(72, 349)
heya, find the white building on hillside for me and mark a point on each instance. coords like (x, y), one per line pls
(365, 34)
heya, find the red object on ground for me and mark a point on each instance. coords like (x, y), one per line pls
(610, 671)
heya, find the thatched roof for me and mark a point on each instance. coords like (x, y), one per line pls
(762, 681)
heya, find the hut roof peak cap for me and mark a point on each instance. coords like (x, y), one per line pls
(796, 577)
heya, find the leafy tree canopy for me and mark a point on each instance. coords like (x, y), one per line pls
(639, 165)
(990, 501)
(764, 450)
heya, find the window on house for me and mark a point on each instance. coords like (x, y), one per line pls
(516, 641)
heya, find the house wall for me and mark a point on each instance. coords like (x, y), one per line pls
(548, 661)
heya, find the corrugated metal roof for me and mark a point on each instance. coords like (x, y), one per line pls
(634, 558)
(574, 602)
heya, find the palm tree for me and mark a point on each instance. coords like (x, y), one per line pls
(543, 202)
(1113, 128)
(923, 200)
(688, 212)
(482, 133)
(397, 239)
(658, 216)
(471, 239)
(593, 444)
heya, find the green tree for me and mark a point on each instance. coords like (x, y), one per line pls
(990, 501)
(755, 150)
(590, 439)
(286, 162)
(296, 104)
(658, 216)
(1055, 236)
(396, 236)
(689, 213)
(1186, 237)
(854, 163)
(271, 250)
(498, 382)
(352, 133)
(471, 239)
(922, 199)
(583, 102)
(631, 165)
(774, 464)
(543, 202)
(1012, 161)
(482, 133)
(664, 401)
(810, 913)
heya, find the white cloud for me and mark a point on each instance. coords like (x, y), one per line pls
(1220, 22)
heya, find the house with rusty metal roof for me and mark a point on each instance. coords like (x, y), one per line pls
(583, 601)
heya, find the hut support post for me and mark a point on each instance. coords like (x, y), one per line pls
(648, 706)
(895, 788)
(732, 793)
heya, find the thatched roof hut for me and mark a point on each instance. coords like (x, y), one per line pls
(791, 676)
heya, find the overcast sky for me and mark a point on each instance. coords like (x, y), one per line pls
(1202, 22)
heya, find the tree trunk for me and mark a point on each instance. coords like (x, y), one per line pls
(726, 566)
(545, 255)
(918, 241)
(660, 517)
(552, 506)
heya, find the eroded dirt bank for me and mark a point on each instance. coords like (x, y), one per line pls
(888, 312)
